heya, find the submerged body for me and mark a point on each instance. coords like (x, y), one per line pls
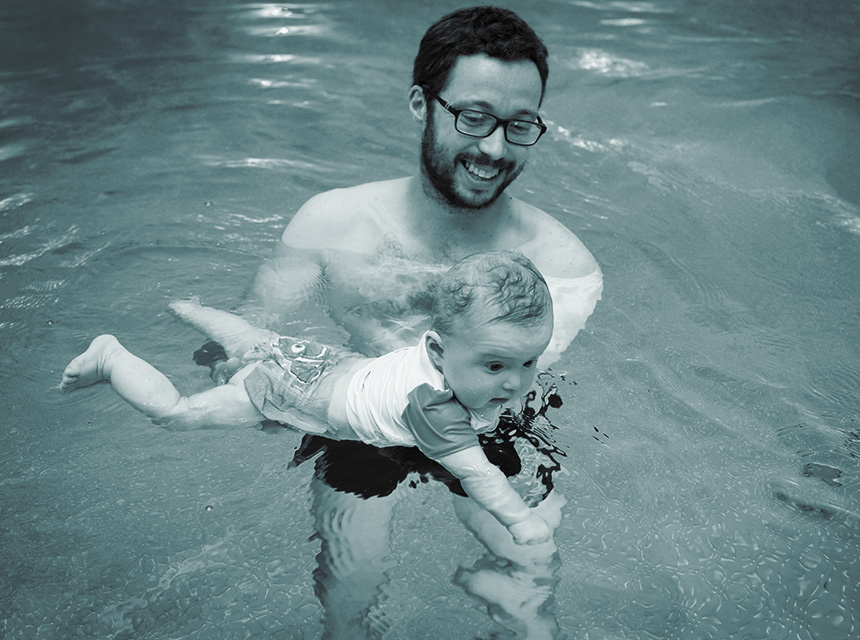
(493, 319)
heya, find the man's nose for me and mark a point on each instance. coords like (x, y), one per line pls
(494, 145)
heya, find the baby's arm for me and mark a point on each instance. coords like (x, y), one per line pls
(487, 486)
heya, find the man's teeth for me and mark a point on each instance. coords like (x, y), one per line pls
(486, 174)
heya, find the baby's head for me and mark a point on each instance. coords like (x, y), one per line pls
(491, 320)
(491, 287)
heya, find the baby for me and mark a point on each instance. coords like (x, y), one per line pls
(491, 320)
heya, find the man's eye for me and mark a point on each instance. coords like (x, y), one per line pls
(473, 118)
(519, 128)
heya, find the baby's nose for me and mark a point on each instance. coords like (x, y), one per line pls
(511, 382)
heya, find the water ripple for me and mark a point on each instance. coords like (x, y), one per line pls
(15, 201)
(52, 244)
(608, 65)
(259, 163)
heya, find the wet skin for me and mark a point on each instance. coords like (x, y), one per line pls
(489, 364)
(468, 172)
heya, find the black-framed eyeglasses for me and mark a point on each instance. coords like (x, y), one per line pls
(479, 124)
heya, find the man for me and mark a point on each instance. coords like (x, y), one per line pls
(374, 251)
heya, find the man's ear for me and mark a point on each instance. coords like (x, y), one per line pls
(435, 349)
(417, 103)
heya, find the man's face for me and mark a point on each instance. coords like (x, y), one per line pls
(467, 172)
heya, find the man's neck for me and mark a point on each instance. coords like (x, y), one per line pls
(452, 232)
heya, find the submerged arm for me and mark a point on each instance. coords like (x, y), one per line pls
(573, 301)
(282, 283)
(443, 431)
(487, 486)
(295, 275)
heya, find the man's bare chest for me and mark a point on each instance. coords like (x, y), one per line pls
(386, 281)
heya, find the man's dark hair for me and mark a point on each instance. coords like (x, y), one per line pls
(492, 31)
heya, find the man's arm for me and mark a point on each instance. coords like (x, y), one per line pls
(573, 275)
(282, 283)
(295, 273)
(573, 301)
(487, 486)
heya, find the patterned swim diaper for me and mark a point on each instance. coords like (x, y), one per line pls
(286, 376)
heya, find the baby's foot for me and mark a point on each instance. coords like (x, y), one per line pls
(88, 368)
(185, 308)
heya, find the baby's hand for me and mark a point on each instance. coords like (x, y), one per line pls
(533, 530)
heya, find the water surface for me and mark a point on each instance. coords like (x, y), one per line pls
(705, 152)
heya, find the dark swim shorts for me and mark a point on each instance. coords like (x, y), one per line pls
(374, 472)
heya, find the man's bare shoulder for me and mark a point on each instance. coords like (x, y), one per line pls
(554, 248)
(341, 217)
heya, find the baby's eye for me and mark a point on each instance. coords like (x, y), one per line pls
(530, 364)
(495, 366)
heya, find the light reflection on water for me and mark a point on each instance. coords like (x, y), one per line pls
(707, 157)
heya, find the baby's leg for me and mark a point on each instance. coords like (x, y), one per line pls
(234, 333)
(134, 379)
(150, 392)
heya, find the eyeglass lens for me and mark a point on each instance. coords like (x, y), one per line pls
(477, 123)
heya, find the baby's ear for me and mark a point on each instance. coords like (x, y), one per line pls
(435, 348)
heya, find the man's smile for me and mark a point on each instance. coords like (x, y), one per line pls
(482, 173)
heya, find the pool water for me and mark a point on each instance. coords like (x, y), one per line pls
(706, 153)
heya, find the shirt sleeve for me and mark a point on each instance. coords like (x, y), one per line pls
(441, 425)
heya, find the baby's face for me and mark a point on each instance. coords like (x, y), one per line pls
(488, 365)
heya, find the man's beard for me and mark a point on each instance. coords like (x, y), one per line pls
(441, 174)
